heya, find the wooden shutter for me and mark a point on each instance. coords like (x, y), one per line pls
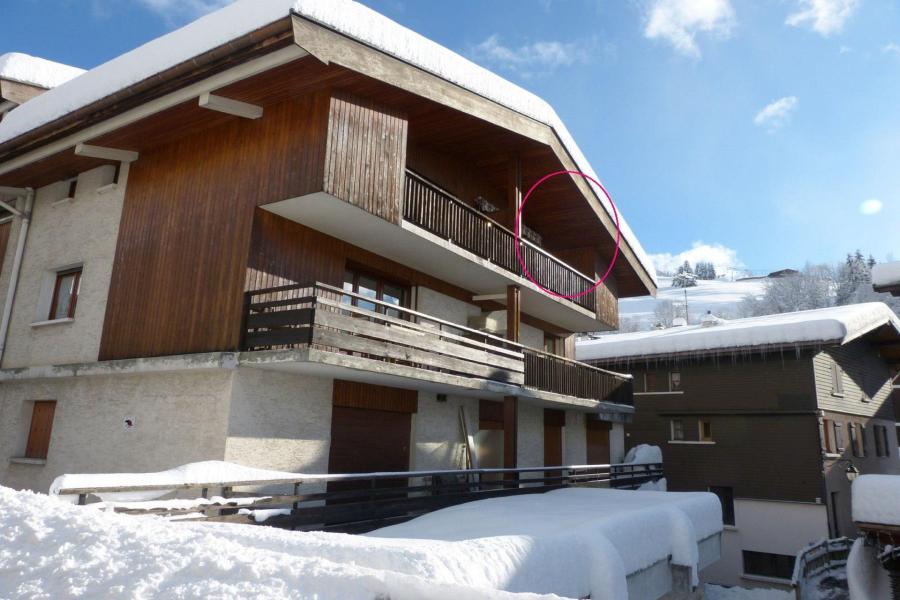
(41, 426)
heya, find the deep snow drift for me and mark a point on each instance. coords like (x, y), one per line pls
(876, 499)
(570, 542)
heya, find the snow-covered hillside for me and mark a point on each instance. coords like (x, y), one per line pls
(720, 296)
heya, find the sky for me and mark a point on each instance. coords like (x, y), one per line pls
(756, 134)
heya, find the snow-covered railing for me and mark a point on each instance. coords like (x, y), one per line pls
(350, 502)
(817, 558)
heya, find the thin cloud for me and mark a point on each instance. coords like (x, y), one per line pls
(891, 48)
(872, 206)
(724, 259)
(825, 17)
(535, 58)
(679, 21)
(777, 114)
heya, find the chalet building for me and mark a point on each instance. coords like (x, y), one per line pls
(283, 236)
(776, 415)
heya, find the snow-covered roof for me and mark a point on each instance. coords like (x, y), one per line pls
(876, 499)
(838, 325)
(35, 71)
(886, 274)
(345, 16)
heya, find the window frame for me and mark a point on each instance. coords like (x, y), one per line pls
(786, 574)
(59, 276)
(380, 282)
(854, 439)
(727, 508)
(700, 435)
(672, 430)
(828, 433)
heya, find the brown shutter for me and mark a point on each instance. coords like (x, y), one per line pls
(41, 426)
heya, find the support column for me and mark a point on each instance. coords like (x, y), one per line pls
(513, 191)
(511, 403)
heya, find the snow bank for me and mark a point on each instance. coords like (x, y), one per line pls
(345, 16)
(839, 324)
(571, 542)
(876, 499)
(210, 471)
(718, 592)
(886, 274)
(866, 580)
(644, 454)
(36, 71)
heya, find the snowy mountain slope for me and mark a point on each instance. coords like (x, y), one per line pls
(722, 297)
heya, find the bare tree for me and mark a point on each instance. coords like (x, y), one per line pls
(665, 313)
(808, 289)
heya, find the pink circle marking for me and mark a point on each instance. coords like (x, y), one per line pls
(518, 239)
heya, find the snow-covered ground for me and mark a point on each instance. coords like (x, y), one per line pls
(571, 542)
(718, 592)
(720, 296)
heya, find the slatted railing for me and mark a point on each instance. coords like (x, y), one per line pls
(815, 559)
(444, 215)
(552, 373)
(328, 318)
(361, 502)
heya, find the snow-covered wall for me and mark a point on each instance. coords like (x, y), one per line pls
(83, 231)
(179, 418)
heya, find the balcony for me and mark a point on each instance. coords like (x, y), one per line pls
(440, 213)
(322, 329)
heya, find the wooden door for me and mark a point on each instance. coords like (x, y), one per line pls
(554, 420)
(41, 427)
(597, 442)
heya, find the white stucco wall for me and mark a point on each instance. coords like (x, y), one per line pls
(437, 436)
(575, 439)
(444, 307)
(279, 421)
(83, 231)
(765, 526)
(530, 438)
(617, 443)
(179, 418)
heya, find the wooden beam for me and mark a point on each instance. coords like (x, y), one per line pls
(89, 151)
(513, 312)
(510, 431)
(513, 191)
(229, 106)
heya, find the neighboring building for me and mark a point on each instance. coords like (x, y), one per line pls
(886, 278)
(283, 239)
(769, 413)
(873, 567)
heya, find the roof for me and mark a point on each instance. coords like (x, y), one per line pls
(837, 325)
(345, 16)
(35, 71)
(886, 277)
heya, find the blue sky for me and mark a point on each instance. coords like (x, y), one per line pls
(768, 131)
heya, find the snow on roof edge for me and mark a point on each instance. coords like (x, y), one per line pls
(347, 17)
(837, 325)
(36, 71)
(886, 274)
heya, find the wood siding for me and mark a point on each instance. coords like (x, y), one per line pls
(351, 394)
(865, 377)
(365, 159)
(764, 426)
(178, 274)
(5, 231)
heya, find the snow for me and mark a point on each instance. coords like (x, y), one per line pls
(211, 471)
(886, 274)
(35, 71)
(876, 499)
(717, 592)
(644, 454)
(839, 324)
(345, 16)
(866, 579)
(572, 542)
(720, 296)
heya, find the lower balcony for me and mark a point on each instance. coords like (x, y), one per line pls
(321, 329)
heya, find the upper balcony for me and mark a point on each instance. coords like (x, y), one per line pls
(321, 328)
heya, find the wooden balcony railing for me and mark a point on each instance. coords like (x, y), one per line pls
(442, 214)
(328, 318)
(560, 375)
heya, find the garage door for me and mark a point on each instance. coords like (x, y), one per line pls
(597, 442)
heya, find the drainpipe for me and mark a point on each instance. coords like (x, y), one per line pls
(16, 267)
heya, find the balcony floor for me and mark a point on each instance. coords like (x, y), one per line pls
(413, 246)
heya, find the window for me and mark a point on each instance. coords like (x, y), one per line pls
(835, 515)
(73, 185)
(855, 446)
(677, 426)
(828, 433)
(674, 381)
(882, 446)
(705, 430)
(554, 345)
(763, 564)
(726, 497)
(837, 379)
(376, 288)
(41, 426)
(863, 446)
(65, 294)
(838, 438)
